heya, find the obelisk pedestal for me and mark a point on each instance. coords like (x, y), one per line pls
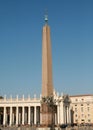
(46, 115)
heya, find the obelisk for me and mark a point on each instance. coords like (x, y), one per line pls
(47, 83)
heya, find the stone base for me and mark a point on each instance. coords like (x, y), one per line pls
(46, 115)
(47, 128)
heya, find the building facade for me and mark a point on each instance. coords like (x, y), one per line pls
(26, 111)
(82, 109)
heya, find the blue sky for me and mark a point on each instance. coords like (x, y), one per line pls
(71, 23)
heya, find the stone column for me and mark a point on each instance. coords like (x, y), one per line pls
(19, 118)
(55, 118)
(61, 113)
(67, 115)
(64, 110)
(13, 118)
(40, 118)
(10, 122)
(4, 119)
(29, 115)
(16, 115)
(35, 115)
(58, 116)
(23, 115)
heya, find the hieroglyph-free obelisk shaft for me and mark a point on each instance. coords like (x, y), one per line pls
(47, 83)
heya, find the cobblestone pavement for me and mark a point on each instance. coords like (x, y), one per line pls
(80, 128)
(34, 128)
(17, 128)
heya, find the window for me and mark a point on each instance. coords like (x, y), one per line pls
(76, 120)
(81, 109)
(82, 99)
(82, 120)
(88, 109)
(75, 109)
(82, 115)
(76, 99)
(89, 120)
(81, 104)
(76, 115)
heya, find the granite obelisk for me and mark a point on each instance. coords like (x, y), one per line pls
(47, 82)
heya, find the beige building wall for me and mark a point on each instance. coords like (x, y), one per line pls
(82, 106)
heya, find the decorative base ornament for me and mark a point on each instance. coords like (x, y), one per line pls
(48, 110)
